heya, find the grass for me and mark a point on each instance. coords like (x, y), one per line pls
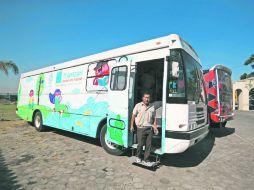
(8, 112)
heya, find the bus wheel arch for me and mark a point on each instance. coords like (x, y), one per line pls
(100, 125)
(37, 121)
(107, 146)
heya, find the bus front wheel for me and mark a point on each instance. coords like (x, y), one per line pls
(37, 122)
(108, 146)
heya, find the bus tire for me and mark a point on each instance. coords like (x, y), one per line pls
(37, 122)
(107, 146)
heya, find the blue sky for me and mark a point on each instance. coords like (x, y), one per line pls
(35, 34)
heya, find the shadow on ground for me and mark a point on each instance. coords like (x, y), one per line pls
(195, 155)
(8, 179)
(190, 158)
(76, 136)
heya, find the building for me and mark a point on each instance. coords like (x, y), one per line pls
(8, 97)
(243, 93)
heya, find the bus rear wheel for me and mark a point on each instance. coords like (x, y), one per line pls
(109, 147)
(38, 122)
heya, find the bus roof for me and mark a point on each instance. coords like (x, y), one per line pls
(171, 41)
(222, 67)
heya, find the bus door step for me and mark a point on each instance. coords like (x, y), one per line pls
(151, 166)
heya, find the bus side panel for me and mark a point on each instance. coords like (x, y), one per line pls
(27, 100)
(46, 100)
(66, 104)
(84, 112)
(212, 96)
(177, 115)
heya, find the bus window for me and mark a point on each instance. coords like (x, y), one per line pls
(194, 78)
(203, 93)
(118, 78)
(191, 77)
(176, 81)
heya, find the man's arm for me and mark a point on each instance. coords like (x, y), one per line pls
(155, 129)
(132, 122)
(134, 113)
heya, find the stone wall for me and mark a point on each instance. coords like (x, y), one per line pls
(243, 87)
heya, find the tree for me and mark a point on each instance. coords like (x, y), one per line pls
(5, 66)
(249, 60)
(250, 75)
(243, 76)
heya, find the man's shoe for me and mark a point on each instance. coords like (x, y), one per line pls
(147, 163)
(138, 160)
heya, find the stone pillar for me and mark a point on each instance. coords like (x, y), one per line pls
(234, 97)
(245, 85)
(245, 99)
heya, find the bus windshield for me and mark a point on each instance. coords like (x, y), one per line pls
(188, 85)
(224, 82)
(225, 90)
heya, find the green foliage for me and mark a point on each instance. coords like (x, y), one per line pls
(250, 75)
(5, 66)
(243, 76)
(249, 60)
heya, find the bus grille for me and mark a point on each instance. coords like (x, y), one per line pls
(196, 118)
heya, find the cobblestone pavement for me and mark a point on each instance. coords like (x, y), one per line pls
(60, 160)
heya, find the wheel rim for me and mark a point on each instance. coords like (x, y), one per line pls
(109, 144)
(37, 121)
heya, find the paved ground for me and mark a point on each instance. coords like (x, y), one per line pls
(61, 160)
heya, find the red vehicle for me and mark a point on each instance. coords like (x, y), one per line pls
(219, 95)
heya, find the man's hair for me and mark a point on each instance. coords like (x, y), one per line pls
(146, 93)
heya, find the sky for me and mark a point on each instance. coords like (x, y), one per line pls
(35, 34)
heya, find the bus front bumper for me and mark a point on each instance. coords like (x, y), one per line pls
(177, 142)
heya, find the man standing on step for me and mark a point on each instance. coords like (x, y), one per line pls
(144, 116)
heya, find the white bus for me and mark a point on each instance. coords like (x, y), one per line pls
(95, 95)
